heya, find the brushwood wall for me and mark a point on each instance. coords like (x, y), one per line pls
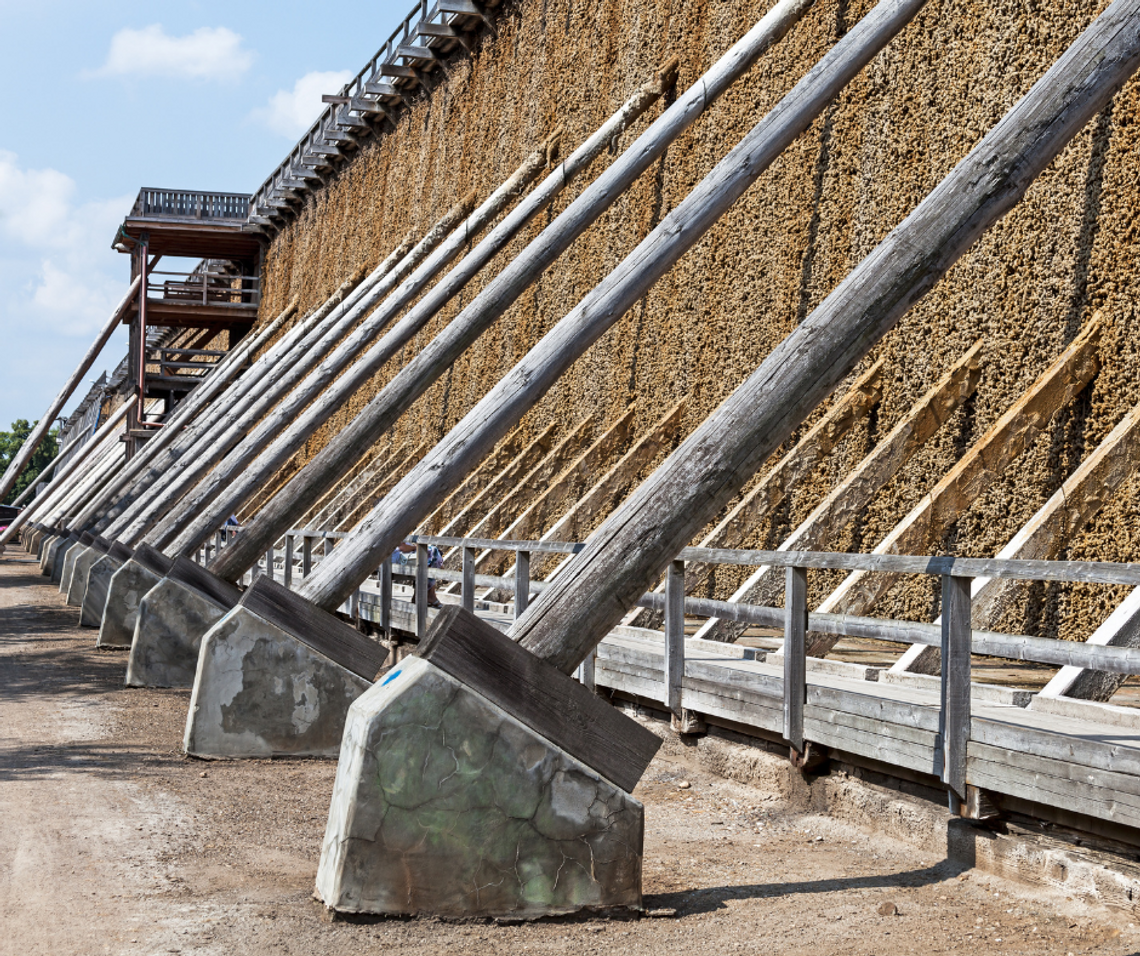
(1026, 289)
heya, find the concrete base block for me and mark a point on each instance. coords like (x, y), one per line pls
(172, 619)
(54, 550)
(45, 543)
(260, 692)
(83, 563)
(98, 586)
(67, 549)
(446, 804)
(67, 570)
(43, 540)
(128, 585)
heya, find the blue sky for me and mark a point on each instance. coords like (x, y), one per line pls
(98, 99)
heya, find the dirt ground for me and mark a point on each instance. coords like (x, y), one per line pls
(112, 841)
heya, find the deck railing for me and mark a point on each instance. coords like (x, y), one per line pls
(190, 204)
(955, 636)
(202, 287)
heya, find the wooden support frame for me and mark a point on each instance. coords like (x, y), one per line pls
(954, 724)
(924, 419)
(795, 657)
(975, 471)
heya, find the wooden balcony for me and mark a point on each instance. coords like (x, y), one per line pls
(180, 222)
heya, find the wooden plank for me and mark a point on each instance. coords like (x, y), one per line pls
(1087, 745)
(886, 749)
(550, 703)
(1124, 787)
(222, 593)
(975, 471)
(324, 633)
(153, 560)
(643, 535)
(1121, 630)
(848, 498)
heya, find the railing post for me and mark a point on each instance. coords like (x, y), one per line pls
(955, 716)
(421, 589)
(306, 555)
(675, 637)
(522, 582)
(587, 669)
(795, 657)
(468, 584)
(269, 562)
(386, 598)
(327, 545)
(287, 577)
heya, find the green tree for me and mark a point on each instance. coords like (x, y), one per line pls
(10, 444)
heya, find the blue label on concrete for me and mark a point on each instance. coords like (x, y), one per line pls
(391, 677)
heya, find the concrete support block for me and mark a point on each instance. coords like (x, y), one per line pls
(449, 799)
(98, 586)
(68, 564)
(45, 547)
(59, 559)
(43, 540)
(261, 692)
(83, 564)
(128, 585)
(55, 550)
(172, 619)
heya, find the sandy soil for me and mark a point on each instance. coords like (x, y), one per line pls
(113, 842)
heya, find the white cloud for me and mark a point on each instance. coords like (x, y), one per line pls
(59, 274)
(209, 53)
(292, 112)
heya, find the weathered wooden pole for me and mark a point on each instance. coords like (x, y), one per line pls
(337, 458)
(638, 540)
(279, 378)
(218, 380)
(445, 465)
(44, 476)
(224, 491)
(34, 440)
(61, 482)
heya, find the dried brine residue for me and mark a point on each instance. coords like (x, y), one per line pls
(1026, 289)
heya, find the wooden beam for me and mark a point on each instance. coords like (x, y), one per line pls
(974, 472)
(382, 487)
(490, 466)
(633, 546)
(847, 499)
(1051, 528)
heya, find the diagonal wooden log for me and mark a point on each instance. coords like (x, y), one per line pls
(1121, 629)
(261, 454)
(17, 465)
(501, 408)
(45, 476)
(382, 412)
(770, 491)
(855, 491)
(321, 515)
(638, 540)
(974, 472)
(65, 479)
(290, 366)
(1067, 511)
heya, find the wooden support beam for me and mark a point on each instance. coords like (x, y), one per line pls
(636, 542)
(488, 468)
(795, 656)
(1052, 527)
(502, 407)
(382, 487)
(974, 472)
(847, 499)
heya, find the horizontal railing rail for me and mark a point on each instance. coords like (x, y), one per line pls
(206, 288)
(190, 204)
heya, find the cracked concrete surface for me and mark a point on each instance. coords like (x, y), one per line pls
(128, 586)
(172, 618)
(444, 804)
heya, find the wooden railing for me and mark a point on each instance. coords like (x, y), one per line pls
(189, 204)
(204, 287)
(428, 22)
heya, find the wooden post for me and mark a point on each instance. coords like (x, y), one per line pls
(522, 582)
(306, 555)
(675, 637)
(628, 552)
(517, 392)
(421, 590)
(269, 571)
(287, 580)
(795, 657)
(587, 672)
(468, 591)
(47, 420)
(386, 598)
(954, 722)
